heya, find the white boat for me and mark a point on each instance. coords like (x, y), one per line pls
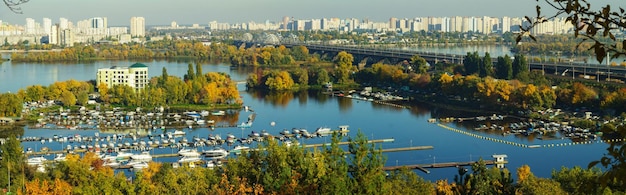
(322, 131)
(143, 157)
(123, 155)
(200, 122)
(245, 124)
(179, 132)
(219, 113)
(216, 153)
(204, 113)
(111, 164)
(188, 153)
(189, 159)
(238, 149)
(140, 165)
(36, 160)
(59, 158)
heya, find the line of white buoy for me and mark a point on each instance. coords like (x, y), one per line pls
(526, 145)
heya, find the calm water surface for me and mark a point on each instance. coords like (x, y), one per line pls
(409, 127)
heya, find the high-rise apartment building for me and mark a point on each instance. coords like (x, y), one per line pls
(505, 25)
(98, 22)
(137, 26)
(66, 37)
(47, 26)
(392, 23)
(30, 26)
(63, 23)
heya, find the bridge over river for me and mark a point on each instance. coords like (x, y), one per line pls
(368, 54)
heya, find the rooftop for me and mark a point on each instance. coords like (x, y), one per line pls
(138, 65)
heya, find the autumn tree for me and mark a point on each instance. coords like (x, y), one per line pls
(11, 105)
(68, 98)
(279, 81)
(344, 67)
(529, 184)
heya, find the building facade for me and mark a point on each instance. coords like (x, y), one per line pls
(137, 26)
(135, 76)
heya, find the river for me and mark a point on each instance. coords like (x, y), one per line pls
(409, 127)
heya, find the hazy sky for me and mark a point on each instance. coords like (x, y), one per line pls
(162, 12)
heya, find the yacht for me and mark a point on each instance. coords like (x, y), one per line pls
(143, 157)
(36, 160)
(322, 131)
(179, 132)
(216, 153)
(189, 159)
(188, 153)
(238, 149)
(140, 165)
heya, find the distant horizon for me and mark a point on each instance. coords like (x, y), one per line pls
(187, 12)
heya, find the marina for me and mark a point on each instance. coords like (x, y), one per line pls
(407, 124)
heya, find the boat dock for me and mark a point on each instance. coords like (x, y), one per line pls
(499, 161)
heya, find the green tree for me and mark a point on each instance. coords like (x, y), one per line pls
(422, 65)
(320, 77)
(520, 66)
(577, 180)
(366, 166)
(336, 181)
(82, 98)
(405, 181)
(471, 62)
(504, 68)
(190, 74)
(164, 77)
(12, 164)
(486, 66)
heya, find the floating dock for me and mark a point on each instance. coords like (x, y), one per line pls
(499, 161)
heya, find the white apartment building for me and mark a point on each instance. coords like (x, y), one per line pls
(135, 76)
(137, 26)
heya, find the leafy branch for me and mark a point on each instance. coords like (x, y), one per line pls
(14, 5)
(589, 25)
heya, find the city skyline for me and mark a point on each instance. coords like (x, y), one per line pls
(202, 12)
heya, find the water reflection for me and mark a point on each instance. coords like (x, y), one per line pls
(345, 104)
(275, 98)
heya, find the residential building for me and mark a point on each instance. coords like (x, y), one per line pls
(135, 76)
(137, 26)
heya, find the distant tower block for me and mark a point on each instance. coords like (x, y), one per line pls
(285, 22)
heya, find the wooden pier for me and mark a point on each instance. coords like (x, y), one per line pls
(499, 161)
